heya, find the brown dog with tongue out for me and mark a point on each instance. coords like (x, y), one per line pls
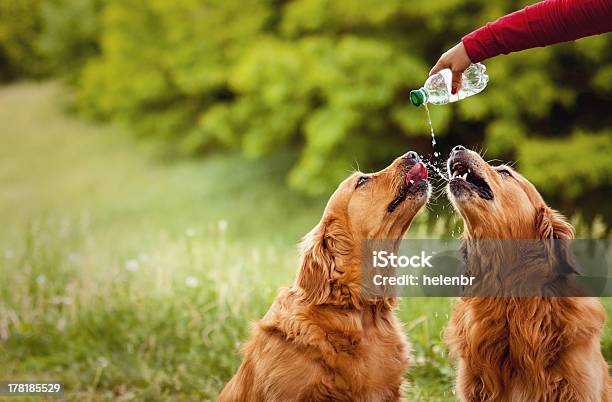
(323, 338)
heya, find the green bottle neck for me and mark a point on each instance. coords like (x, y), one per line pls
(419, 97)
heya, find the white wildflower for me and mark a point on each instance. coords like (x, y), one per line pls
(61, 300)
(73, 257)
(61, 324)
(102, 362)
(192, 282)
(132, 265)
(222, 226)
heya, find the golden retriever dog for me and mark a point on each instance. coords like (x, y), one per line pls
(519, 348)
(323, 339)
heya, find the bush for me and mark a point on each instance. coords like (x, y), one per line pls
(163, 63)
(43, 37)
(19, 32)
(70, 31)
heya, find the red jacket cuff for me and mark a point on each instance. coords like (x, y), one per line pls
(480, 44)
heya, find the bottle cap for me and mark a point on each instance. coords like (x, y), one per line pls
(417, 97)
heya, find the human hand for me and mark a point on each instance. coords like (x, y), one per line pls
(457, 59)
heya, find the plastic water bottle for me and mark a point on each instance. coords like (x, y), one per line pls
(437, 88)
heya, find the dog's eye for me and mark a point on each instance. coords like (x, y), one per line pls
(362, 180)
(504, 172)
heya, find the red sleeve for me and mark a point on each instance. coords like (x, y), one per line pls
(541, 24)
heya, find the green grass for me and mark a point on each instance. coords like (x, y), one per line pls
(133, 278)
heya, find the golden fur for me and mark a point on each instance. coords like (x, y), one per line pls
(322, 339)
(520, 348)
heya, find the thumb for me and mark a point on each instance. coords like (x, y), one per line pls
(456, 85)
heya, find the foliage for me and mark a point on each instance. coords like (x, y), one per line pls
(43, 37)
(165, 62)
(19, 32)
(70, 34)
(329, 79)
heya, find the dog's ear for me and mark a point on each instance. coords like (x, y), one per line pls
(314, 275)
(322, 248)
(553, 227)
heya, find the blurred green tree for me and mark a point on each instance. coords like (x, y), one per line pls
(19, 32)
(69, 36)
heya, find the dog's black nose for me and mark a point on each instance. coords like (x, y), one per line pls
(458, 148)
(411, 156)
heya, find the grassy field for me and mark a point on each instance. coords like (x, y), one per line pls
(130, 277)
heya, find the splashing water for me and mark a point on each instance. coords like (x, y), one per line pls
(438, 171)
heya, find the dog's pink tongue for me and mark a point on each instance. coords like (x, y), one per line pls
(418, 172)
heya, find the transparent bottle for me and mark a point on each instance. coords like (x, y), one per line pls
(437, 88)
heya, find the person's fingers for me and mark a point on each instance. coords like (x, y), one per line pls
(456, 85)
(440, 65)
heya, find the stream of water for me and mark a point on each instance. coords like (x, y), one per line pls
(436, 154)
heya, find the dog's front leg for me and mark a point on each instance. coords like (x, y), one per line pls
(469, 386)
